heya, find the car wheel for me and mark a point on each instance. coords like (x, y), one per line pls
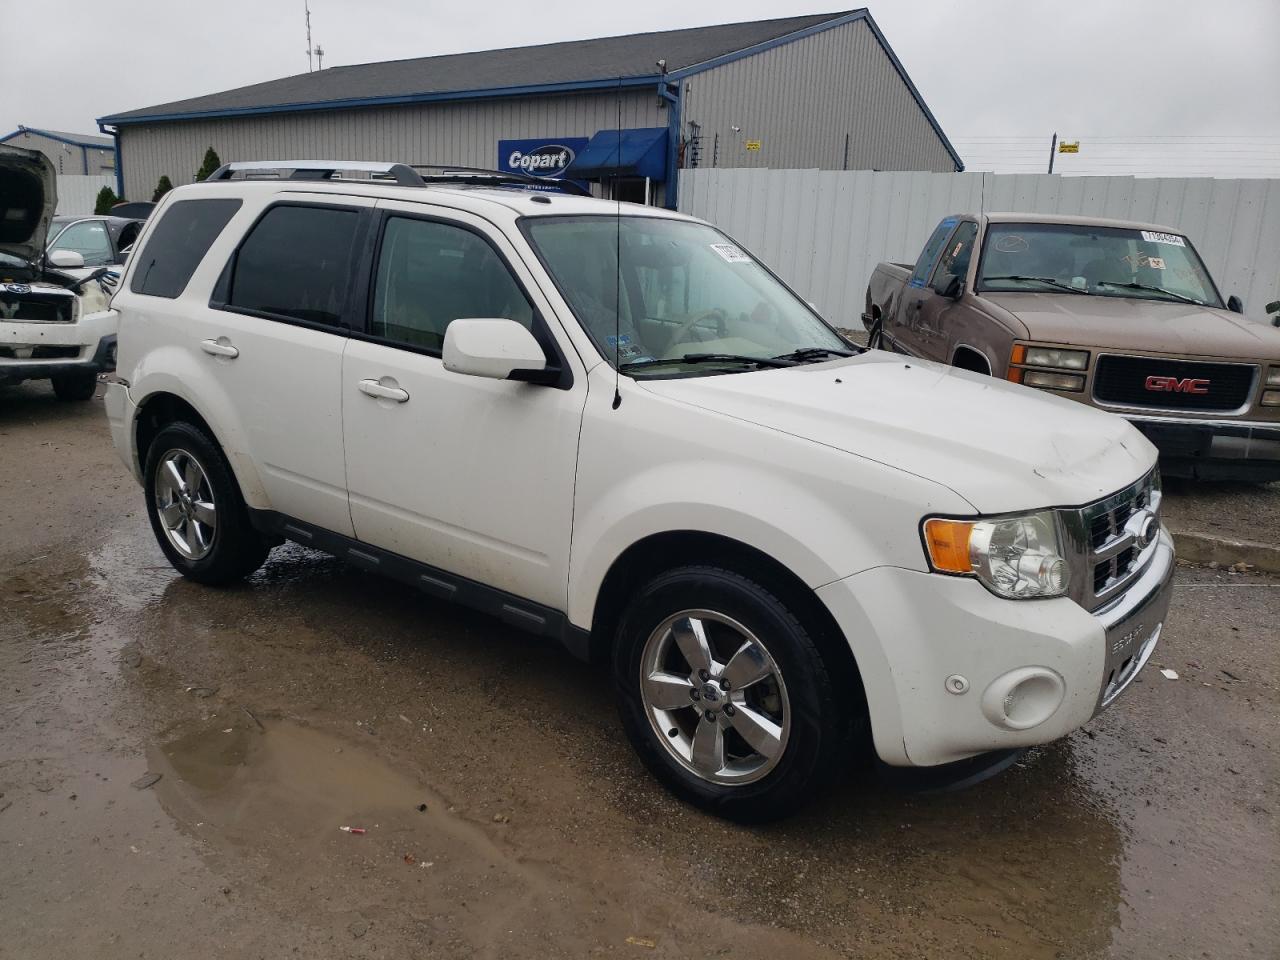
(725, 695)
(195, 507)
(75, 387)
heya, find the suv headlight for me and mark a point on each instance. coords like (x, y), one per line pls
(1014, 557)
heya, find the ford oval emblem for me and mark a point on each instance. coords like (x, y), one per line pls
(550, 160)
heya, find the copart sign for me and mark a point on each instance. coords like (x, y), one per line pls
(547, 158)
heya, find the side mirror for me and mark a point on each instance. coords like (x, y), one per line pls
(949, 286)
(65, 259)
(1235, 304)
(496, 348)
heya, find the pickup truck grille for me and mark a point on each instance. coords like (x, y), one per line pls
(1127, 381)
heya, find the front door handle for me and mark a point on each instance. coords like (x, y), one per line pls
(384, 391)
(219, 348)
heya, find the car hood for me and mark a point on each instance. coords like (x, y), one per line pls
(28, 197)
(1000, 446)
(1126, 324)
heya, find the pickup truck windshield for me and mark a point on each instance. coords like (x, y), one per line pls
(686, 291)
(1105, 261)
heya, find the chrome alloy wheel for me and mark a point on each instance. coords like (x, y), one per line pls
(715, 697)
(184, 501)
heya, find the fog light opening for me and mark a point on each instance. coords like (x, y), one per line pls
(1023, 698)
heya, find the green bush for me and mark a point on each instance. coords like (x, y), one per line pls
(211, 163)
(163, 187)
(106, 200)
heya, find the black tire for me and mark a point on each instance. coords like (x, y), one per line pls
(816, 748)
(236, 549)
(74, 387)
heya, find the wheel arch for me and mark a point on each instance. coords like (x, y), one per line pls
(654, 554)
(971, 358)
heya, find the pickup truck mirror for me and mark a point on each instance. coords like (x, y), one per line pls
(1274, 307)
(1235, 304)
(496, 348)
(949, 286)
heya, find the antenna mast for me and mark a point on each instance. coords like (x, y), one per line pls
(307, 8)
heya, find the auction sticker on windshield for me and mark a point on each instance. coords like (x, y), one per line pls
(729, 253)
(1171, 238)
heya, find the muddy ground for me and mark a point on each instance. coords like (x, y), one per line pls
(506, 816)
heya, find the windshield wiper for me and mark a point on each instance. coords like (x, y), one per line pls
(1149, 287)
(708, 358)
(813, 353)
(1049, 280)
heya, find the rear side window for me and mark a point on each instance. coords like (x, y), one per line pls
(296, 264)
(178, 244)
(930, 252)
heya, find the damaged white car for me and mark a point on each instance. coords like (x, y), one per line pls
(53, 325)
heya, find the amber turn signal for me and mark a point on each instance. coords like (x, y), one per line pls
(948, 544)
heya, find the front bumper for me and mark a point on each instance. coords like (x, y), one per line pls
(1213, 449)
(89, 346)
(951, 671)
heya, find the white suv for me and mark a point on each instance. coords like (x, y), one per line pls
(612, 426)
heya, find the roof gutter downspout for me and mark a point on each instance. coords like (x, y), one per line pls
(674, 102)
(114, 133)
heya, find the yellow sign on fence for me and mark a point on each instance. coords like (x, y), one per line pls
(753, 144)
(1069, 147)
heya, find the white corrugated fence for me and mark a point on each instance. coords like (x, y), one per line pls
(78, 194)
(824, 231)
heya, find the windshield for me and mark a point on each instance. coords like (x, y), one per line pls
(1104, 261)
(686, 290)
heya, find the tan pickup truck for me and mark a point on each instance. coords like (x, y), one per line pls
(1121, 316)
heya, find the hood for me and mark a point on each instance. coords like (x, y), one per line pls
(1000, 446)
(28, 197)
(1125, 324)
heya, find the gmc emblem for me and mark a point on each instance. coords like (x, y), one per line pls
(1174, 385)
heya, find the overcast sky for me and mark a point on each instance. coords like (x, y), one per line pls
(987, 68)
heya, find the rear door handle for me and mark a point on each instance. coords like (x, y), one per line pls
(384, 391)
(219, 348)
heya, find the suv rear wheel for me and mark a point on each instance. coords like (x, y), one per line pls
(725, 695)
(195, 507)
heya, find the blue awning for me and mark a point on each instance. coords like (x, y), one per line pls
(622, 153)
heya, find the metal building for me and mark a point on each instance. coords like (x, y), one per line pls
(823, 91)
(83, 154)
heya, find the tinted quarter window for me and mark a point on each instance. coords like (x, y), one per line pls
(930, 253)
(296, 263)
(430, 274)
(178, 243)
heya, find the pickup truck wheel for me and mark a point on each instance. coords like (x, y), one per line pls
(195, 507)
(75, 387)
(724, 694)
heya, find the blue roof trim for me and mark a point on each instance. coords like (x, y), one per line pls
(606, 83)
(53, 136)
(853, 17)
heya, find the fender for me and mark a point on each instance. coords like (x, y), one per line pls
(170, 369)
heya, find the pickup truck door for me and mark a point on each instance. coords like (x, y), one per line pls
(939, 321)
(470, 475)
(904, 329)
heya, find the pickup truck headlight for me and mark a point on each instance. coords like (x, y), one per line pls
(1273, 376)
(1014, 557)
(1053, 357)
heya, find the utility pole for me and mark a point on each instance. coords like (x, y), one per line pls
(319, 57)
(306, 7)
(1053, 148)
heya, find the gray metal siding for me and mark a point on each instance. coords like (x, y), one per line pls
(461, 132)
(67, 158)
(801, 98)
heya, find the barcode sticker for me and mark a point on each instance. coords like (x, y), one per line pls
(1170, 238)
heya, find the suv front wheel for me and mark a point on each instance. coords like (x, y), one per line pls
(725, 695)
(195, 507)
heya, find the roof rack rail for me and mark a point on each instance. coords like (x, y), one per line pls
(453, 173)
(401, 173)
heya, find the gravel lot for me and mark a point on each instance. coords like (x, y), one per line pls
(316, 696)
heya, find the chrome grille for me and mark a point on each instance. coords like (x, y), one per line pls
(1105, 547)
